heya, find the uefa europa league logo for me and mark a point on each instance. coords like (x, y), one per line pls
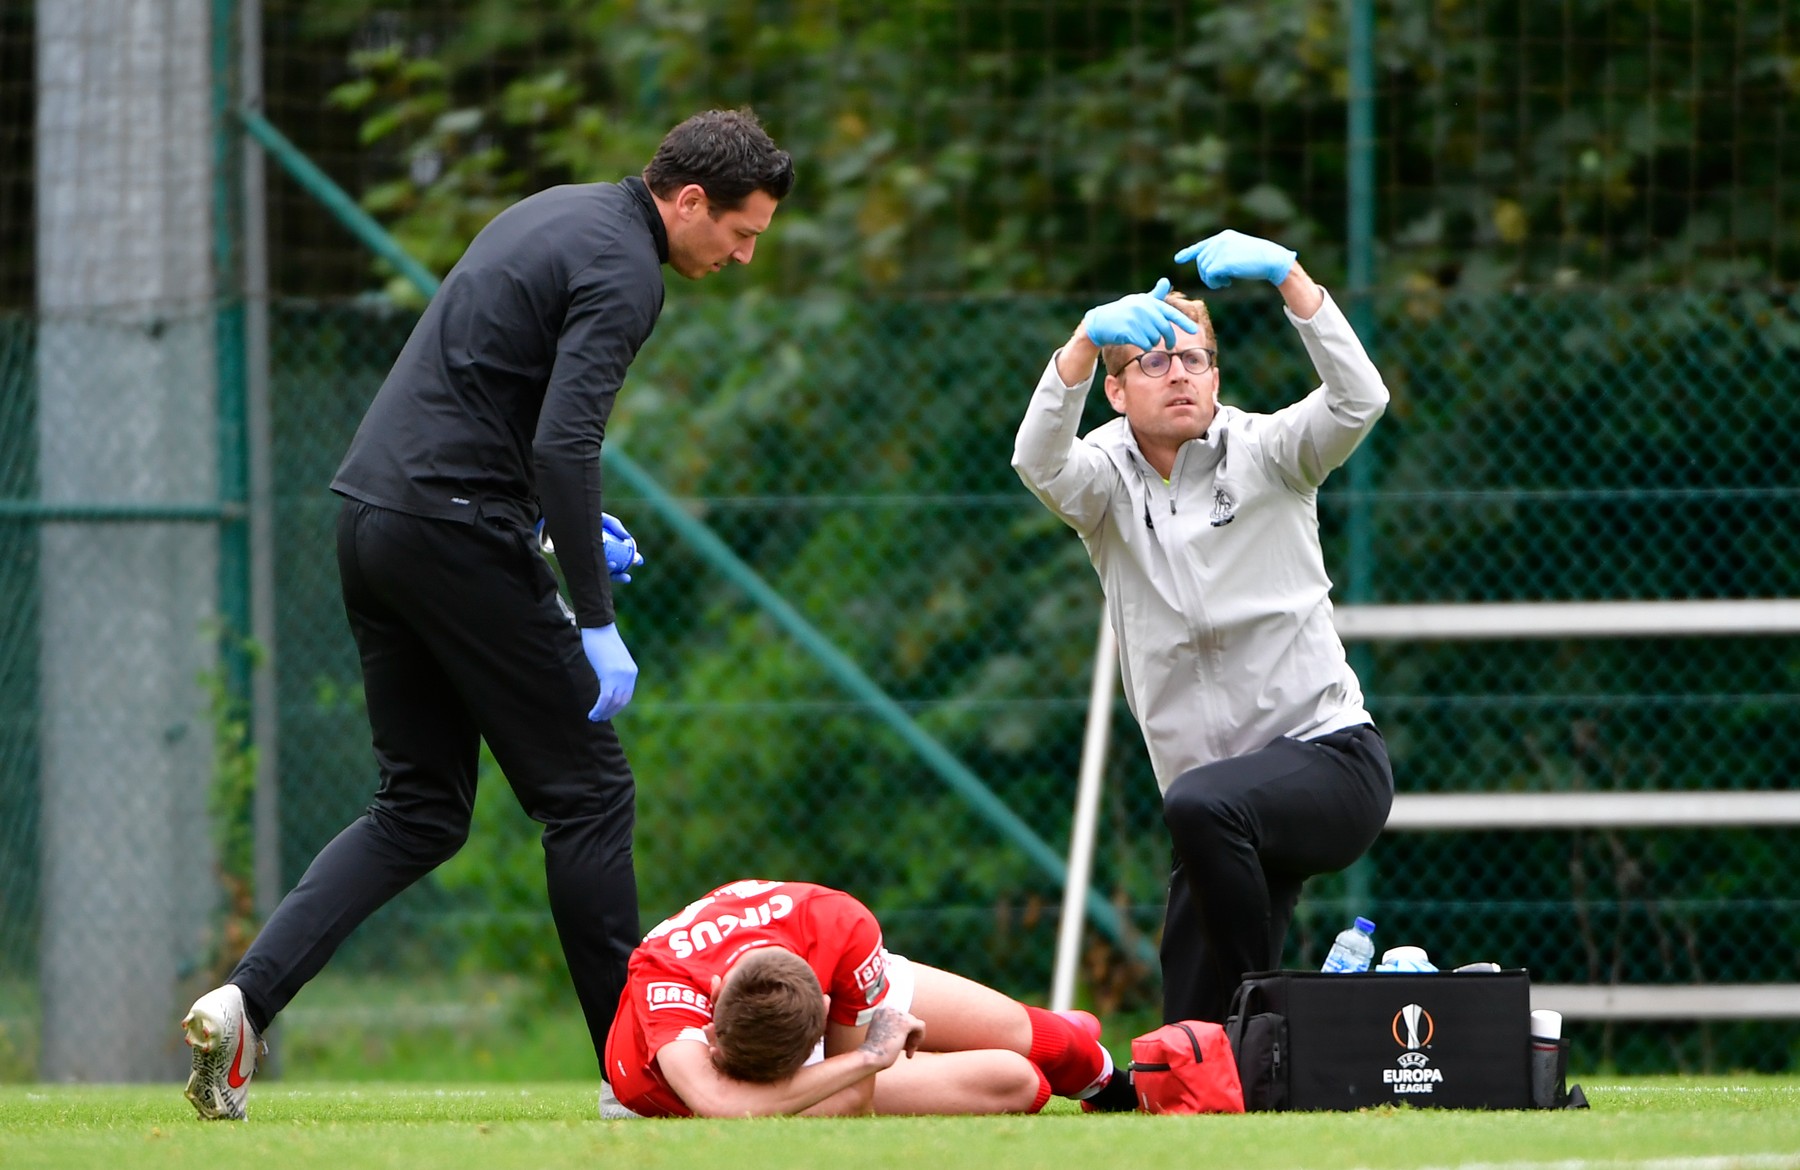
(1412, 1027)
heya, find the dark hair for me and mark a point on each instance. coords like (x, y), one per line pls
(727, 152)
(768, 1017)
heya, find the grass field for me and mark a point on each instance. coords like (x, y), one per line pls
(1667, 1124)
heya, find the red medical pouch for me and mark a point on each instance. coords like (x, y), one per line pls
(1186, 1067)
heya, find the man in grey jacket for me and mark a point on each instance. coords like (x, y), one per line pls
(1202, 522)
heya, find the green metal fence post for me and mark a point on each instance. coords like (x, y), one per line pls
(265, 720)
(228, 340)
(1360, 279)
(1360, 272)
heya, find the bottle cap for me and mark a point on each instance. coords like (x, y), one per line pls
(1546, 1024)
(1364, 925)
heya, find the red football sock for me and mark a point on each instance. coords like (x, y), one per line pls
(1043, 1093)
(1071, 1060)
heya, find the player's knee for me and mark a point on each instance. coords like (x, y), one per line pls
(605, 832)
(442, 842)
(583, 810)
(1195, 813)
(425, 843)
(1019, 1087)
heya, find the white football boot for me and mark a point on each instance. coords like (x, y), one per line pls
(225, 1050)
(610, 1109)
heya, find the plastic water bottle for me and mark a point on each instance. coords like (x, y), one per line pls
(1353, 949)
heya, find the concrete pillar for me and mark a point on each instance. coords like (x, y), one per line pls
(127, 391)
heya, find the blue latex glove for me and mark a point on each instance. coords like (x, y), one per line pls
(1232, 254)
(619, 546)
(622, 554)
(1141, 319)
(613, 666)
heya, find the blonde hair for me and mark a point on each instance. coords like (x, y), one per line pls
(1114, 357)
(769, 1015)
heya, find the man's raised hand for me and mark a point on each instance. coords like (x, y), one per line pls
(1229, 254)
(1141, 319)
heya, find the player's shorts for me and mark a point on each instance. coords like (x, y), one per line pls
(901, 985)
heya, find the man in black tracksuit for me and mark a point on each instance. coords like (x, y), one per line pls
(494, 414)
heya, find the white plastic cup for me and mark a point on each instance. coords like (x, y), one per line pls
(1405, 956)
(1546, 1024)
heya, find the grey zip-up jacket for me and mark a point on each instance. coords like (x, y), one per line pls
(1215, 582)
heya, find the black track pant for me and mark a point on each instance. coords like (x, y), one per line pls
(461, 639)
(1247, 833)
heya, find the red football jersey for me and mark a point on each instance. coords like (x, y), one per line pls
(668, 983)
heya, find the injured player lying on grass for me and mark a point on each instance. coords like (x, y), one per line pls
(770, 998)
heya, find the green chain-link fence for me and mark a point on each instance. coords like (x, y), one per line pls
(1545, 445)
(856, 455)
(1570, 446)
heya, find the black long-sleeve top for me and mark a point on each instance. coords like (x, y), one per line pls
(498, 403)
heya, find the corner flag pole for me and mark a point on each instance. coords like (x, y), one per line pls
(1087, 814)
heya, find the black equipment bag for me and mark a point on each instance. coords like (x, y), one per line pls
(1452, 1040)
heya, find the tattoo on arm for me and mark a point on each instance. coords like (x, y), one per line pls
(884, 1028)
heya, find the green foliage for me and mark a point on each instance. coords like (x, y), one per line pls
(1073, 146)
(453, 183)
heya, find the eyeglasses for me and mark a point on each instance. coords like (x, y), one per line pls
(1158, 362)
